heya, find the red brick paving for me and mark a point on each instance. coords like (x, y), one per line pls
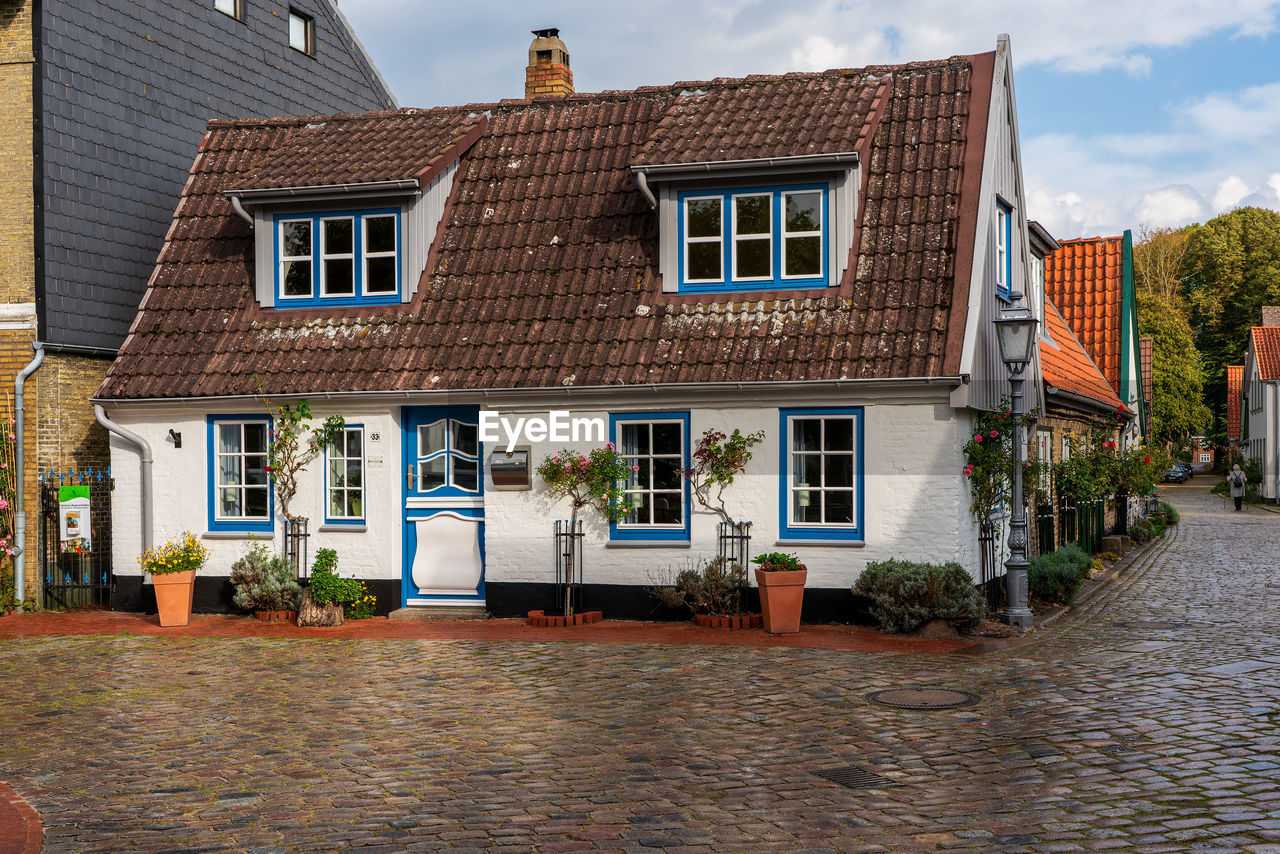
(847, 638)
(20, 827)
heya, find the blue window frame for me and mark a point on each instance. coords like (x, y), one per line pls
(1004, 240)
(344, 477)
(757, 238)
(821, 484)
(337, 258)
(657, 446)
(240, 493)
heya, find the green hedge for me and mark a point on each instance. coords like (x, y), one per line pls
(906, 595)
(1057, 576)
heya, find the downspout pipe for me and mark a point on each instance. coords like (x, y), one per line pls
(20, 473)
(146, 460)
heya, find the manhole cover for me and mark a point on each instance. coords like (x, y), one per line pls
(856, 778)
(923, 698)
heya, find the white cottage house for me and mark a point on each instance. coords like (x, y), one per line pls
(817, 256)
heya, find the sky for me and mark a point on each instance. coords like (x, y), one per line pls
(1131, 114)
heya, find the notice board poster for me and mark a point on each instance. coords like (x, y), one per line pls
(73, 519)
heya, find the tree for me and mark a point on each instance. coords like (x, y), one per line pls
(1233, 266)
(1177, 376)
(1158, 262)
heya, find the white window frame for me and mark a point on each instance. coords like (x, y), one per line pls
(719, 238)
(366, 255)
(651, 491)
(450, 454)
(787, 234)
(821, 488)
(231, 8)
(346, 489)
(765, 236)
(324, 255)
(288, 259)
(241, 487)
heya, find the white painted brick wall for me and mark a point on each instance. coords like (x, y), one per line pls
(916, 504)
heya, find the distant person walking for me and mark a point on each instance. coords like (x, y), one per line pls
(1237, 481)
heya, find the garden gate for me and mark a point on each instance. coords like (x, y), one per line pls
(75, 538)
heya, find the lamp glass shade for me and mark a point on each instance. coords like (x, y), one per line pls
(1016, 335)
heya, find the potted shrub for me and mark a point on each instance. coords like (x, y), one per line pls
(781, 579)
(173, 572)
(265, 584)
(327, 592)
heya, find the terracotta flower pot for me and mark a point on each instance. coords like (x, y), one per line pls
(781, 597)
(174, 592)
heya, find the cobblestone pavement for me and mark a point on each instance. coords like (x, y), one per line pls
(1147, 721)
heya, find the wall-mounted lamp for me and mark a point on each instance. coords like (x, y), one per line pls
(176, 437)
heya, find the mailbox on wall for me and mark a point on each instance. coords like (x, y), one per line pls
(510, 469)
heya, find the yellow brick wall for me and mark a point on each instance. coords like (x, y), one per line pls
(15, 354)
(68, 435)
(17, 250)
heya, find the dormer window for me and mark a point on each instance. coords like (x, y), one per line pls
(754, 238)
(338, 258)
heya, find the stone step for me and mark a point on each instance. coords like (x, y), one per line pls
(427, 613)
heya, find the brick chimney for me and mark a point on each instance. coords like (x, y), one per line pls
(1271, 315)
(548, 71)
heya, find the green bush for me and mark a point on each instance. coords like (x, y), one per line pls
(1171, 515)
(327, 587)
(1158, 526)
(1141, 531)
(906, 595)
(264, 582)
(1057, 576)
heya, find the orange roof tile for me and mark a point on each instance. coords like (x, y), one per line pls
(1266, 348)
(1085, 279)
(1235, 382)
(1065, 365)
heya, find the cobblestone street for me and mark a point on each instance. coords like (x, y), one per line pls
(1145, 721)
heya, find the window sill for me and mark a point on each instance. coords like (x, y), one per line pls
(336, 526)
(237, 535)
(846, 544)
(648, 544)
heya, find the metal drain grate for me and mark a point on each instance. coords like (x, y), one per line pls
(854, 777)
(1039, 751)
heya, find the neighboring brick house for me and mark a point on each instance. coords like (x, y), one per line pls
(1090, 280)
(97, 130)
(819, 256)
(1260, 409)
(1077, 398)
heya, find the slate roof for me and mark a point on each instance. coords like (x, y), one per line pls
(1064, 364)
(1235, 388)
(1084, 278)
(544, 274)
(1266, 350)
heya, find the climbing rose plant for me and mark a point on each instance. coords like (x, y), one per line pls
(716, 462)
(990, 460)
(293, 445)
(595, 479)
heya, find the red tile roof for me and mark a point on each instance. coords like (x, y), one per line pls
(1065, 365)
(1266, 349)
(1235, 387)
(544, 274)
(1084, 279)
(1146, 355)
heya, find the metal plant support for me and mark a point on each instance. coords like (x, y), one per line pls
(295, 547)
(990, 569)
(1045, 542)
(568, 557)
(733, 543)
(75, 558)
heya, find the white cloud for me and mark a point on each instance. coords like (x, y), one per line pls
(1229, 193)
(1171, 206)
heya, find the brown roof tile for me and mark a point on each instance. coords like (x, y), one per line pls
(545, 272)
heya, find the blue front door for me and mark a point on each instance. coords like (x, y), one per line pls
(443, 506)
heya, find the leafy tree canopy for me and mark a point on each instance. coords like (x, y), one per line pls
(1177, 377)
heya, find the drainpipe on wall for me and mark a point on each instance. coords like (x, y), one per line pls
(144, 452)
(19, 453)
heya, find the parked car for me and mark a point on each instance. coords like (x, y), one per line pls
(1175, 475)
(1186, 469)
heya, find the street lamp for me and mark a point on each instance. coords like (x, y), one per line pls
(1016, 335)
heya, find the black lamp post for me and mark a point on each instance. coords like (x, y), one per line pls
(1016, 335)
